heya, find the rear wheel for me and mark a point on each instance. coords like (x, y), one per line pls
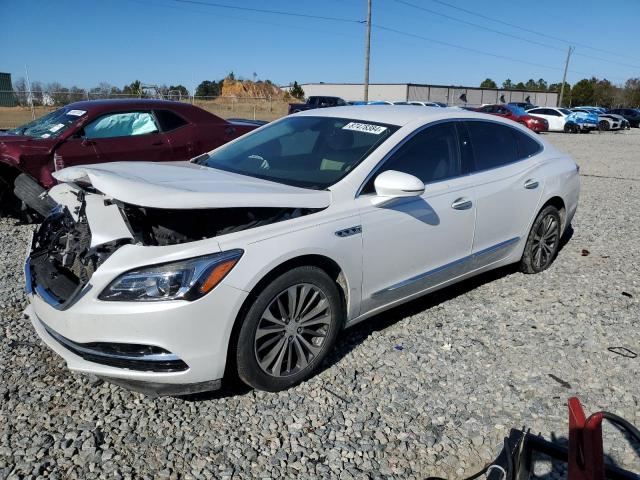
(289, 329)
(543, 241)
(570, 128)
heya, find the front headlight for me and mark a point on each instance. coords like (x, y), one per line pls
(184, 280)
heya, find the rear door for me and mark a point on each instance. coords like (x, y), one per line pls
(508, 185)
(128, 136)
(181, 135)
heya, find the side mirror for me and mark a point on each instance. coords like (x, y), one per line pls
(392, 184)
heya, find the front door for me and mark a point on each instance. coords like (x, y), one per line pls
(127, 136)
(418, 243)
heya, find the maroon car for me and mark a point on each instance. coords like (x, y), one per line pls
(104, 131)
(517, 114)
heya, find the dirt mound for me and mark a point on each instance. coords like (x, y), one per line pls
(249, 89)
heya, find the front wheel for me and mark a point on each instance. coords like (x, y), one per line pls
(543, 241)
(288, 330)
(603, 125)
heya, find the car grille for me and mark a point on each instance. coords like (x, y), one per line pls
(61, 262)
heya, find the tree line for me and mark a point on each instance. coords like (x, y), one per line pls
(588, 91)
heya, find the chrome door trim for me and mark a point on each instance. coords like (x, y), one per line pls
(450, 270)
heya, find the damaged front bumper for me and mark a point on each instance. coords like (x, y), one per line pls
(171, 347)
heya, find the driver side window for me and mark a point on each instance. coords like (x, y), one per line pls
(121, 125)
(431, 155)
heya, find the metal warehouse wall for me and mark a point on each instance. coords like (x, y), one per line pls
(431, 93)
(478, 96)
(355, 91)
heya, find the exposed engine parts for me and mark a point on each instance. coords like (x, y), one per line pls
(154, 226)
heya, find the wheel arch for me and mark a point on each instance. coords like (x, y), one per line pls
(557, 202)
(327, 264)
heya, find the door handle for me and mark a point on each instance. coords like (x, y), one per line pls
(462, 204)
(159, 142)
(531, 184)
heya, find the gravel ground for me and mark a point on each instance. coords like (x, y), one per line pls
(430, 388)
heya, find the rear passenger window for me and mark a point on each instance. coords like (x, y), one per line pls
(527, 146)
(493, 144)
(169, 120)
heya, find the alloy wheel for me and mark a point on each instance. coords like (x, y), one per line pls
(292, 330)
(545, 242)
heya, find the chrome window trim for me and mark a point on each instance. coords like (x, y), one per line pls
(375, 169)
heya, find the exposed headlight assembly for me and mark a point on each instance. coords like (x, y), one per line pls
(184, 280)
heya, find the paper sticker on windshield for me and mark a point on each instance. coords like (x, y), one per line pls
(76, 113)
(364, 127)
(56, 127)
(45, 135)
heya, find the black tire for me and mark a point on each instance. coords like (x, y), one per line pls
(543, 241)
(254, 371)
(603, 125)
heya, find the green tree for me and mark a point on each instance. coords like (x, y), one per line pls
(180, 88)
(519, 86)
(488, 83)
(566, 99)
(582, 92)
(632, 92)
(507, 84)
(531, 84)
(133, 89)
(296, 91)
(207, 88)
(604, 93)
(542, 85)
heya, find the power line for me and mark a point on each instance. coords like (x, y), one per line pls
(510, 35)
(273, 12)
(552, 37)
(461, 47)
(474, 50)
(455, 19)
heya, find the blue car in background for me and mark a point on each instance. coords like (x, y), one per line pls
(581, 122)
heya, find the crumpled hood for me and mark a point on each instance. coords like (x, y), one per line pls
(184, 185)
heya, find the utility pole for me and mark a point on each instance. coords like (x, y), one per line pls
(367, 54)
(33, 112)
(564, 77)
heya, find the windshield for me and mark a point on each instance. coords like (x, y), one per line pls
(308, 152)
(51, 125)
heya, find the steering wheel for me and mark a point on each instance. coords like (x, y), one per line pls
(264, 164)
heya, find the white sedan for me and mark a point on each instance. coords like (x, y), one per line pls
(253, 258)
(557, 117)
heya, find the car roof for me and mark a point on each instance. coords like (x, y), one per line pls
(98, 107)
(399, 115)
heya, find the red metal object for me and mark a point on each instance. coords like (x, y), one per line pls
(586, 456)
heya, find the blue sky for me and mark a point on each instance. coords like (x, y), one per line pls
(166, 42)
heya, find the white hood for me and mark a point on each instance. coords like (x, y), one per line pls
(183, 185)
